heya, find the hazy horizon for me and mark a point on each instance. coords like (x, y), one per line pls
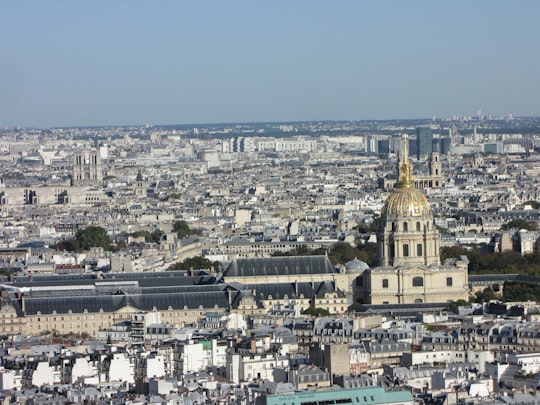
(68, 64)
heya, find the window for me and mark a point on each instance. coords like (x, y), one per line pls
(418, 301)
(405, 226)
(449, 281)
(418, 282)
(385, 283)
(406, 250)
(419, 250)
(418, 226)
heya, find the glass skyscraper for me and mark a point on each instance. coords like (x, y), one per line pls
(424, 141)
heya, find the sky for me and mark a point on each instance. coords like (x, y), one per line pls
(130, 62)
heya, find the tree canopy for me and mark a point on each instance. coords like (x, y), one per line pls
(339, 253)
(315, 311)
(153, 237)
(519, 224)
(484, 262)
(342, 252)
(182, 229)
(92, 236)
(534, 204)
(196, 263)
(370, 228)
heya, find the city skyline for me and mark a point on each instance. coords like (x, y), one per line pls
(99, 63)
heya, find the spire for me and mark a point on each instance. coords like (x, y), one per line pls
(405, 167)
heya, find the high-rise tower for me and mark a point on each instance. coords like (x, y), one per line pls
(424, 142)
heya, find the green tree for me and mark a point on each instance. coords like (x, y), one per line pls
(182, 229)
(92, 236)
(195, 263)
(153, 237)
(484, 296)
(518, 291)
(67, 245)
(315, 311)
(534, 204)
(454, 305)
(342, 252)
(519, 224)
(370, 228)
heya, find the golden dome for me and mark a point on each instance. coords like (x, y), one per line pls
(406, 200)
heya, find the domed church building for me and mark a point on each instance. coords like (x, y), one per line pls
(410, 269)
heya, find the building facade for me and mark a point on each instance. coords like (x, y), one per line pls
(410, 271)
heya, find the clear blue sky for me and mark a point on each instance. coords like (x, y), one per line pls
(95, 62)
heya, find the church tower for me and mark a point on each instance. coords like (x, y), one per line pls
(407, 235)
(140, 185)
(435, 170)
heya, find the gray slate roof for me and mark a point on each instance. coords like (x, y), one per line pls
(279, 266)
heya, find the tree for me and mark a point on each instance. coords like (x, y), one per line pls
(485, 296)
(182, 229)
(196, 263)
(454, 305)
(370, 228)
(343, 252)
(519, 224)
(153, 237)
(315, 311)
(92, 236)
(534, 204)
(517, 291)
(68, 245)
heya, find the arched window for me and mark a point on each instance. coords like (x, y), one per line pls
(419, 250)
(385, 283)
(418, 301)
(418, 226)
(418, 282)
(406, 250)
(405, 226)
